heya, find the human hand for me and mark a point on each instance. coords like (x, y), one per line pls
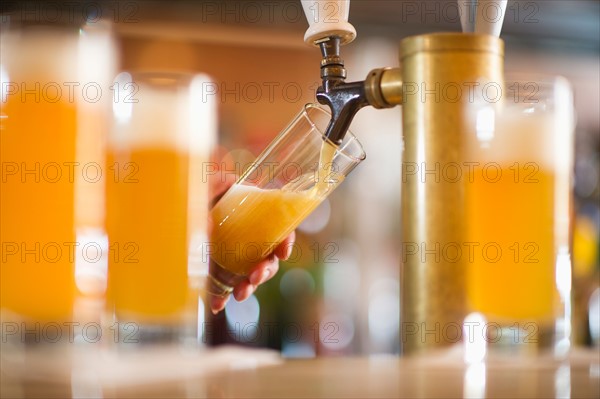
(263, 271)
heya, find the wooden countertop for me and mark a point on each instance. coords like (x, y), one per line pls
(242, 373)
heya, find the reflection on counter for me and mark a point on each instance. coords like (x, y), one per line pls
(257, 373)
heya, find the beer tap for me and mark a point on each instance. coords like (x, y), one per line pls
(329, 29)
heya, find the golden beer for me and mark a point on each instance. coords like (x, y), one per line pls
(248, 223)
(510, 213)
(38, 127)
(147, 199)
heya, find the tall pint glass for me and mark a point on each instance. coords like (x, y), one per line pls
(518, 199)
(157, 201)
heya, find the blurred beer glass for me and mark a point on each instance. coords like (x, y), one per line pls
(52, 83)
(518, 199)
(157, 203)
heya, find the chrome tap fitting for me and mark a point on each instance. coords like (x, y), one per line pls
(382, 89)
(344, 99)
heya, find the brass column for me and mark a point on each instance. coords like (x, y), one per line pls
(440, 73)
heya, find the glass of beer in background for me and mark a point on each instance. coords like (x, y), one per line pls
(518, 199)
(157, 203)
(291, 177)
(53, 79)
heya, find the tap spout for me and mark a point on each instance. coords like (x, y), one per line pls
(343, 99)
(382, 89)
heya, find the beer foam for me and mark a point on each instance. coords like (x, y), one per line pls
(22, 51)
(512, 134)
(157, 112)
(97, 57)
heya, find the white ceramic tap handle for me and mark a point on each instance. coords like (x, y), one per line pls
(490, 16)
(328, 18)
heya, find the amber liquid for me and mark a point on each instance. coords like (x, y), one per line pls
(516, 213)
(147, 211)
(249, 222)
(36, 210)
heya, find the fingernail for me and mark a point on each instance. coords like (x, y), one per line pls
(259, 276)
(288, 252)
(216, 309)
(246, 293)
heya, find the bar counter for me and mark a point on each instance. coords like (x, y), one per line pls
(231, 372)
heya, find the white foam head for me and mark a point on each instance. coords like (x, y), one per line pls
(163, 110)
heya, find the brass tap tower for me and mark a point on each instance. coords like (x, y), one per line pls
(434, 127)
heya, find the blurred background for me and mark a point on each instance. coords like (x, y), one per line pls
(339, 292)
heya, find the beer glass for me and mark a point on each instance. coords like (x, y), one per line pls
(297, 171)
(518, 199)
(157, 202)
(39, 129)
